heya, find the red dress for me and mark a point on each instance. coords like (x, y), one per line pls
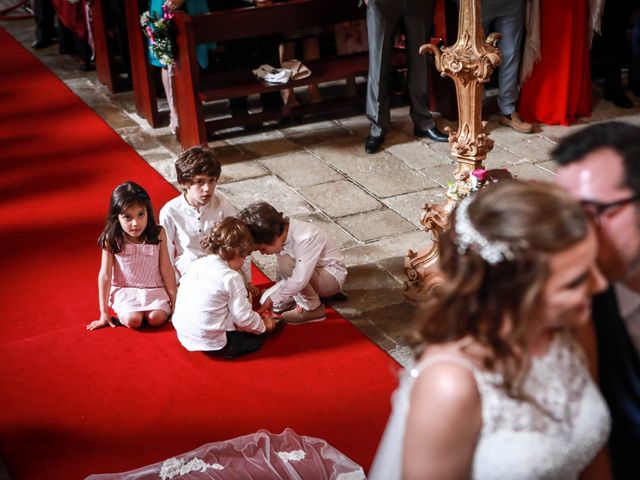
(559, 88)
(73, 16)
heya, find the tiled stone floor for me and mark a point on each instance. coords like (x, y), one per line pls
(319, 172)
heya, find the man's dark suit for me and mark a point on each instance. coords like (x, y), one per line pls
(619, 372)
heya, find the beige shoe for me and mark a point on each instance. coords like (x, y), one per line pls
(516, 123)
(300, 315)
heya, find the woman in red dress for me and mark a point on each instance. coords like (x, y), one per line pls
(559, 88)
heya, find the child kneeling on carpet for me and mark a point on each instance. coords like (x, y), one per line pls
(310, 264)
(188, 217)
(136, 278)
(212, 309)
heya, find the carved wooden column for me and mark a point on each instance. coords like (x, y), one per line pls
(469, 62)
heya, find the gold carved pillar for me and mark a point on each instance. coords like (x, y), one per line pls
(469, 63)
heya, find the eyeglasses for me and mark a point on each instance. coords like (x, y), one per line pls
(597, 209)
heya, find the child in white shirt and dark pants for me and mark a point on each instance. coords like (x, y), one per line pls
(212, 311)
(310, 264)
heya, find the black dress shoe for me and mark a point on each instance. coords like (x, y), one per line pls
(372, 144)
(87, 67)
(619, 99)
(433, 133)
(41, 43)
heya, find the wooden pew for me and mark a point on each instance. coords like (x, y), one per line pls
(278, 17)
(106, 66)
(142, 74)
(266, 19)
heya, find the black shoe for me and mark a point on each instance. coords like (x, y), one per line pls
(619, 99)
(87, 67)
(42, 43)
(432, 132)
(372, 144)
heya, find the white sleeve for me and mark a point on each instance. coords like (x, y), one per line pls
(166, 220)
(242, 315)
(229, 210)
(306, 255)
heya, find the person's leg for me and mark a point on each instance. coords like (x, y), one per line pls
(418, 19)
(382, 19)
(241, 343)
(285, 269)
(287, 52)
(510, 23)
(117, 11)
(311, 49)
(614, 22)
(634, 69)
(266, 51)
(307, 305)
(43, 14)
(324, 283)
(168, 90)
(156, 318)
(131, 320)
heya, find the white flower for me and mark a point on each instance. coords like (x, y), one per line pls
(292, 456)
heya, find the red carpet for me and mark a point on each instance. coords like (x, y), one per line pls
(73, 402)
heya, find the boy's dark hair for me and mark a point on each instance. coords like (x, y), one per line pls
(123, 197)
(196, 161)
(228, 238)
(264, 221)
(622, 138)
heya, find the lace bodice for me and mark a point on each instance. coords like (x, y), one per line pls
(554, 435)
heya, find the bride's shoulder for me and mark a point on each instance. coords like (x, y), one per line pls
(446, 374)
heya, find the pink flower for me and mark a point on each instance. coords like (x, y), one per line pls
(480, 173)
(150, 34)
(166, 13)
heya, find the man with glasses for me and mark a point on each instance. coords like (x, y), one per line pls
(600, 166)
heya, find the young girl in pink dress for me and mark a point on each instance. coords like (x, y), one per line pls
(136, 278)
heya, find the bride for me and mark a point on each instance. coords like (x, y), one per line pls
(501, 389)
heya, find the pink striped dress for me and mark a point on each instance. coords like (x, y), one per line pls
(137, 285)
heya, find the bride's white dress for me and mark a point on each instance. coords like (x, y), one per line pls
(555, 436)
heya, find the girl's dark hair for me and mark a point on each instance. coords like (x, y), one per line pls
(196, 161)
(125, 196)
(264, 221)
(228, 238)
(478, 300)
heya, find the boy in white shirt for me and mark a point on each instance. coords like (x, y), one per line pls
(189, 216)
(213, 313)
(310, 264)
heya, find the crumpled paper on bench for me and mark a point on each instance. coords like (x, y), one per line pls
(290, 70)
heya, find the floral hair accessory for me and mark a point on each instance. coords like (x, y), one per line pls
(467, 236)
(159, 30)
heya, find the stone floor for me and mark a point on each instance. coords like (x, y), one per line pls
(319, 172)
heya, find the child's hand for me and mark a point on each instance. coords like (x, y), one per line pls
(268, 323)
(253, 290)
(102, 322)
(267, 306)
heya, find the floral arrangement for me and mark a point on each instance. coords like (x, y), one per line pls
(479, 177)
(159, 30)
